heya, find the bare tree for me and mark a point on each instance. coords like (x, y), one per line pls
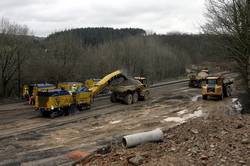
(11, 57)
(230, 19)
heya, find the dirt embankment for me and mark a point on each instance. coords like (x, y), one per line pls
(221, 138)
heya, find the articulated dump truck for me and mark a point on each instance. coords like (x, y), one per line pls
(218, 86)
(130, 90)
(197, 79)
(64, 101)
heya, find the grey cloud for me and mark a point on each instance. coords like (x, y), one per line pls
(44, 16)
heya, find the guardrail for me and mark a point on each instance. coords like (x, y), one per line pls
(160, 84)
(168, 83)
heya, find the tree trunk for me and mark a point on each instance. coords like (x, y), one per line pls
(19, 74)
(4, 87)
(248, 73)
(248, 40)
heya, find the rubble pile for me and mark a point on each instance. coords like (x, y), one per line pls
(219, 139)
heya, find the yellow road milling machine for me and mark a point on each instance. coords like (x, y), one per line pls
(60, 101)
(70, 86)
(219, 87)
(30, 91)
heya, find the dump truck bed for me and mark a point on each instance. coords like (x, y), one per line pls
(126, 85)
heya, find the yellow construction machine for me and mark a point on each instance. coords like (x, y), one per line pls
(61, 101)
(30, 91)
(25, 94)
(197, 79)
(70, 86)
(130, 90)
(218, 86)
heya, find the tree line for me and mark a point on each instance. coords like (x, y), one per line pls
(79, 54)
(230, 19)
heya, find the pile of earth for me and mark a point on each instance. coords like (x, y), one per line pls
(221, 138)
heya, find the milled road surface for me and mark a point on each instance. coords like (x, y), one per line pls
(28, 138)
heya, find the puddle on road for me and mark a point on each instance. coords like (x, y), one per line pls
(236, 105)
(196, 98)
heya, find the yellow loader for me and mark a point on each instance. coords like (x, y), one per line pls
(219, 87)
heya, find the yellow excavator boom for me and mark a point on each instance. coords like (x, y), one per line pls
(98, 87)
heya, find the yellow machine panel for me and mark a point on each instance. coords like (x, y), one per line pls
(89, 83)
(37, 89)
(105, 81)
(25, 93)
(70, 86)
(83, 98)
(54, 99)
(217, 87)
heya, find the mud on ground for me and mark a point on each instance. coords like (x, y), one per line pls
(222, 137)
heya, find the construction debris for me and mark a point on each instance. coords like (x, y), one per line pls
(141, 138)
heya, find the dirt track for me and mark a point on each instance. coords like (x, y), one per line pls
(28, 138)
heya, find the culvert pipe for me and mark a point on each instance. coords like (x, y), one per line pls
(141, 138)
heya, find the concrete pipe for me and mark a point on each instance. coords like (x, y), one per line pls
(140, 138)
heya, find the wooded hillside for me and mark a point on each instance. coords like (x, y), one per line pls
(79, 54)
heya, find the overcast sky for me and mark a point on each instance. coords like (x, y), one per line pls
(46, 16)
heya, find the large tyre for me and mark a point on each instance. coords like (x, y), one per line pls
(204, 97)
(88, 106)
(199, 84)
(221, 97)
(146, 95)
(53, 114)
(226, 92)
(128, 99)
(44, 113)
(229, 91)
(135, 97)
(113, 98)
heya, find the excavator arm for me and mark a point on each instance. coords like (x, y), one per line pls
(98, 87)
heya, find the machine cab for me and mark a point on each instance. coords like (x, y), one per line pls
(212, 81)
(143, 80)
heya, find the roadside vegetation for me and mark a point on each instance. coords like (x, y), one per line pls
(79, 54)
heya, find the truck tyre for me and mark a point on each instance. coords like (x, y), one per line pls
(199, 84)
(226, 93)
(191, 84)
(135, 97)
(221, 97)
(128, 99)
(229, 91)
(88, 106)
(53, 114)
(113, 98)
(146, 95)
(204, 97)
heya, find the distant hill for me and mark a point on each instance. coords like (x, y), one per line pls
(95, 36)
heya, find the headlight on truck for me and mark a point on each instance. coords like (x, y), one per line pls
(218, 90)
(52, 107)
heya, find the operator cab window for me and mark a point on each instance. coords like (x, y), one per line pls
(211, 82)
